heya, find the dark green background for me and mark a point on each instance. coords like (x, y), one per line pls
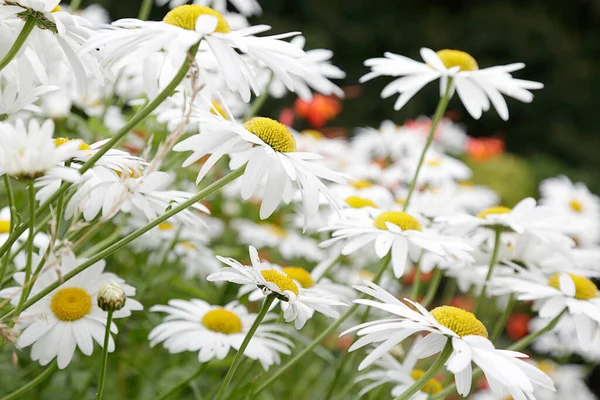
(558, 40)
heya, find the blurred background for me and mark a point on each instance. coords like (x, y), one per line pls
(558, 40)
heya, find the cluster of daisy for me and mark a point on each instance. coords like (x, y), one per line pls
(137, 147)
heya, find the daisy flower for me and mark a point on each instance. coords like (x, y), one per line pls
(213, 331)
(268, 149)
(506, 372)
(553, 295)
(29, 152)
(69, 316)
(300, 303)
(476, 87)
(245, 7)
(132, 40)
(395, 232)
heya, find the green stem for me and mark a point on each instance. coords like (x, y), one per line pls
(11, 207)
(330, 266)
(414, 293)
(502, 321)
(145, 10)
(493, 260)
(132, 236)
(259, 101)
(30, 237)
(240, 353)
(520, 345)
(31, 384)
(450, 287)
(430, 374)
(323, 334)
(181, 384)
(21, 39)
(433, 287)
(104, 355)
(437, 117)
(74, 6)
(137, 118)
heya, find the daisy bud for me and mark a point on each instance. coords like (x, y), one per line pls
(111, 297)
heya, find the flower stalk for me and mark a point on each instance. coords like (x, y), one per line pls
(493, 261)
(19, 42)
(104, 356)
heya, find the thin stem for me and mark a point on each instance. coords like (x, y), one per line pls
(21, 39)
(335, 262)
(104, 355)
(145, 10)
(437, 117)
(520, 345)
(502, 321)
(11, 207)
(131, 237)
(323, 334)
(433, 287)
(450, 287)
(31, 384)
(435, 367)
(74, 6)
(240, 353)
(137, 118)
(259, 101)
(493, 260)
(181, 384)
(414, 293)
(30, 237)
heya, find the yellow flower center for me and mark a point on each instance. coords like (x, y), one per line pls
(185, 17)
(361, 184)
(466, 183)
(276, 230)
(60, 141)
(71, 304)
(493, 211)
(457, 58)
(188, 245)
(217, 109)
(165, 226)
(300, 275)
(273, 133)
(280, 279)
(56, 9)
(459, 321)
(585, 289)
(432, 387)
(434, 163)
(547, 366)
(223, 321)
(4, 226)
(402, 219)
(359, 202)
(313, 134)
(576, 205)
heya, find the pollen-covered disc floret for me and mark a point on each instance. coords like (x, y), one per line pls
(359, 202)
(457, 58)
(300, 275)
(585, 289)
(273, 133)
(433, 386)
(399, 218)
(71, 304)
(4, 226)
(223, 321)
(185, 17)
(60, 141)
(576, 205)
(361, 184)
(282, 280)
(494, 211)
(459, 321)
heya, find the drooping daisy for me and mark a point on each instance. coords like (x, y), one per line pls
(268, 149)
(300, 303)
(506, 372)
(213, 331)
(397, 232)
(184, 26)
(30, 152)
(68, 317)
(476, 87)
(552, 295)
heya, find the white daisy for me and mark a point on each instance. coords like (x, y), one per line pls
(29, 152)
(506, 373)
(268, 149)
(476, 87)
(245, 7)
(212, 331)
(300, 303)
(69, 316)
(397, 232)
(552, 295)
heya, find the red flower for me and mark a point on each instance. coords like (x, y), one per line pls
(319, 110)
(517, 325)
(482, 149)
